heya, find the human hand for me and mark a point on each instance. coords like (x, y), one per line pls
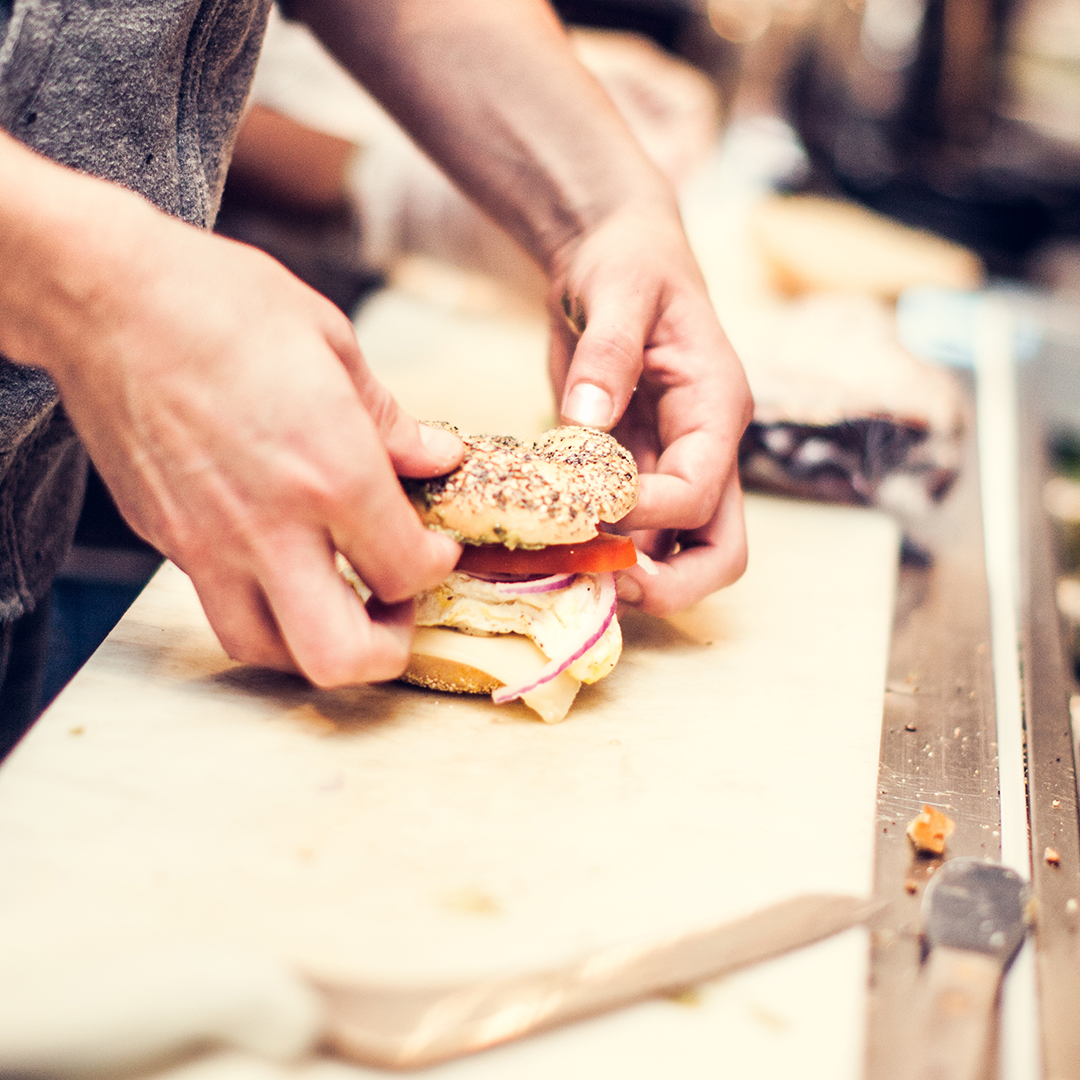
(532, 138)
(230, 411)
(637, 350)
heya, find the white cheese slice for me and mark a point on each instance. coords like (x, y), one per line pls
(510, 658)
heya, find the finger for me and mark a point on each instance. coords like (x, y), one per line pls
(329, 632)
(370, 519)
(658, 544)
(670, 502)
(560, 352)
(393, 553)
(607, 361)
(708, 559)
(415, 450)
(699, 426)
(680, 485)
(240, 616)
(373, 524)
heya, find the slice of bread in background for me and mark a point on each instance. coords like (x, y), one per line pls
(810, 243)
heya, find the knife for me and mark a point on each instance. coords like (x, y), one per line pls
(411, 1027)
(973, 924)
(133, 1013)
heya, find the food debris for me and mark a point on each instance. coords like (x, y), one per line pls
(910, 727)
(1072, 905)
(1031, 912)
(1056, 803)
(769, 1019)
(1051, 857)
(471, 901)
(929, 831)
(922, 869)
(688, 996)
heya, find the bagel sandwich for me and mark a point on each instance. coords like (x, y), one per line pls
(529, 610)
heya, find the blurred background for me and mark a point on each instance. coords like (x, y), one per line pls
(961, 117)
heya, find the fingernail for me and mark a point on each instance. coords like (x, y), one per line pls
(629, 590)
(589, 405)
(441, 444)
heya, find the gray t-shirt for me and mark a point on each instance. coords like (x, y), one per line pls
(146, 93)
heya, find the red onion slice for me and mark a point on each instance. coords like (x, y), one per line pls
(590, 635)
(494, 579)
(539, 585)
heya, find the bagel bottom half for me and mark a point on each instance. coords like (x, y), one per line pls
(460, 663)
(451, 676)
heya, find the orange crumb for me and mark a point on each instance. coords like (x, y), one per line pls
(1051, 857)
(929, 831)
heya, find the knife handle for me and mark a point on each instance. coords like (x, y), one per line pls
(959, 1003)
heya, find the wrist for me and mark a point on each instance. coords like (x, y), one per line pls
(611, 231)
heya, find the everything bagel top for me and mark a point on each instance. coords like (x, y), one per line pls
(552, 491)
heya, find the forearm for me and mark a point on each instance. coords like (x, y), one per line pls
(67, 244)
(492, 90)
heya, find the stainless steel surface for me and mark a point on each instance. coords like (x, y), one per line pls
(412, 1027)
(938, 746)
(1052, 796)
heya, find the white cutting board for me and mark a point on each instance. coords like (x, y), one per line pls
(388, 832)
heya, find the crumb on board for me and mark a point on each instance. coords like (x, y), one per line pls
(929, 831)
(1051, 857)
(470, 901)
(687, 996)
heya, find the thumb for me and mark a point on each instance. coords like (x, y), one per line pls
(417, 450)
(606, 364)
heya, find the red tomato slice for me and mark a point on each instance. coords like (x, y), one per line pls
(603, 552)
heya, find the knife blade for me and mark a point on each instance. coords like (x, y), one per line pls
(412, 1027)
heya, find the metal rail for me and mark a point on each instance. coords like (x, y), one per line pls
(938, 746)
(1052, 794)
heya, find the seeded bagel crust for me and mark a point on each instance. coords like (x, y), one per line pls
(436, 673)
(530, 495)
(606, 467)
